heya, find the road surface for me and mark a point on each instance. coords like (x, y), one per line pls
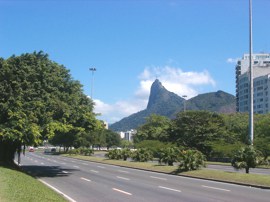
(84, 181)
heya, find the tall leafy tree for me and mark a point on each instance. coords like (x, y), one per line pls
(155, 128)
(39, 100)
(195, 129)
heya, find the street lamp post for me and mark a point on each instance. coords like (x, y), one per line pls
(184, 96)
(92, 69)
(250, 76)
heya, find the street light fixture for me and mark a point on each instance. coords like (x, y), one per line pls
(92, 69)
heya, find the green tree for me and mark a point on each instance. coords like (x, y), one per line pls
(155, 128)
(196, 129)
(39, 100)
(246, 158)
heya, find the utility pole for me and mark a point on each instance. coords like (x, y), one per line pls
(250, 76)
(92, 69)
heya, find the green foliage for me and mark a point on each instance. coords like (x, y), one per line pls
(114, 154)
(142, 155)
(81, 151)
(263, 145)
(40, 101)
(246, 158)
(191, 160)
(194, 129)
(169, 155)
(155, 128)
(153, 145)
(222, 149)
(126, 144)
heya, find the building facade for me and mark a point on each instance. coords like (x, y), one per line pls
(261, 83)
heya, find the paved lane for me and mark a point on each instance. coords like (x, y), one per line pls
(87, 181)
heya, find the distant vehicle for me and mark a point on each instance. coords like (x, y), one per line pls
(31, 149)
(53, 150)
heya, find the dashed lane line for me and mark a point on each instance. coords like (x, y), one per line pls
(215, 188)
(85, 179)
(123, 178)
(121, 191)
(160, 178)
(176, 190)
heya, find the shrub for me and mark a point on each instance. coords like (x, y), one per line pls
(142, 155)
(191, 160)
(169, 155)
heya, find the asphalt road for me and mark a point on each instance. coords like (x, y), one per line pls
(84, 181)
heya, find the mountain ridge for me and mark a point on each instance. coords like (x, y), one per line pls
(166, 103)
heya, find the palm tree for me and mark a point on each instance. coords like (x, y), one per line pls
(247, 157)
(169, 155)
(191, 160)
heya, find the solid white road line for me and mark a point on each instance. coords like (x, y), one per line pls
(160, 178)
(123, 178)
(76, 166)
(121, 191)
(85, 164)
(58, 191)
(100, 166)
(65, 172)
(85, 179)
(216, 188)
(42, 163)
(169, 189)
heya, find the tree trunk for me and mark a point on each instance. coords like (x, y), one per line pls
(247, 170)
(7, 150)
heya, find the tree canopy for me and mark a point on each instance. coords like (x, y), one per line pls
(38, 100)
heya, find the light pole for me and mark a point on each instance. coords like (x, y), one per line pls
(92, 69)
(250, 76)
(184, 96)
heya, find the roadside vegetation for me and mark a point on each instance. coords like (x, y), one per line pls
(17, 186)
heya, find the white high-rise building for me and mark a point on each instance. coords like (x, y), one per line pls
(261, 83)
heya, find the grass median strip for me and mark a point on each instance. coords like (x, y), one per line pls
(17, 186)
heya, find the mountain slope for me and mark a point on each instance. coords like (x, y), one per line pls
(166, 103)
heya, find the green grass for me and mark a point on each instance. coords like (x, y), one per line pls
(17, 186)
(250, 179)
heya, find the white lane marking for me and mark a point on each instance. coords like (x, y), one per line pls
(85, 179)
(63, 163)
(216, 188)
(73, 161)
(100, 166)
(122, 171)
(65, 172)
(58, 191)
(169, 189)
(76, 166)
(36, 161)
(121, 191)
(85, 164)
(42, 163)
(123, 178)
(160, 178)
(94, 171)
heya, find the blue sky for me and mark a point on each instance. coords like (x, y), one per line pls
(190, 45)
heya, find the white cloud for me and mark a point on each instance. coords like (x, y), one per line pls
(172, 78)
(232, 60)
